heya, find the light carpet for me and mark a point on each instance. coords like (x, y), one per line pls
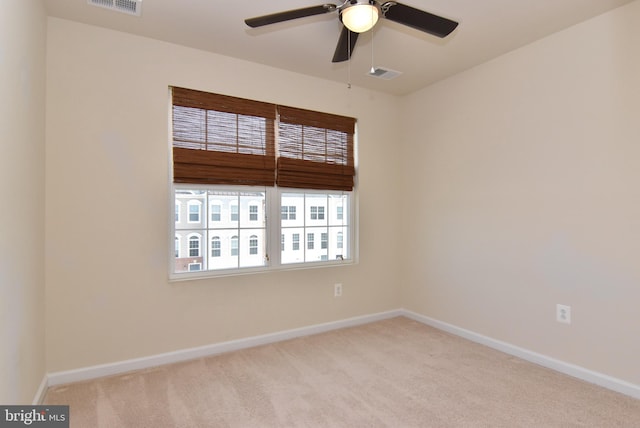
(391, 373)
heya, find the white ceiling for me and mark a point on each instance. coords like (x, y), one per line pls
(488, 28)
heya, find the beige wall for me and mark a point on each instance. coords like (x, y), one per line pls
(22, 125)
(108, 206)
(516, 180)
(522, 179)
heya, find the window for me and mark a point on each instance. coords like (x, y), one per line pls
(253, 244)
(194, 211)
(194, 246)
(234, 246)
(235, 180)
(317, 213)
(234, 213)
(288, 213)
(253, 212)
(216, 211)
(215, 246)
(324, 240)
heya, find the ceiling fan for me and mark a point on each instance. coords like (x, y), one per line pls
(358, 16)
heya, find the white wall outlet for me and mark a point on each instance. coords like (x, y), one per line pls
(337, 290)
(563, 314)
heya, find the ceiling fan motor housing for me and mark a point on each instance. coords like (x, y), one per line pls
(359, 15)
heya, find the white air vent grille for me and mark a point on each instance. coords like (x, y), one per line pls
(384, 73)
(130, 7)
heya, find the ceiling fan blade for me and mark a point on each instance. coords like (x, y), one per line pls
(346, 44)
(418, 19)
(288, 15)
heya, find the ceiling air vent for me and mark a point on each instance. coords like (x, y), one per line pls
(384, 73)
(130, 7)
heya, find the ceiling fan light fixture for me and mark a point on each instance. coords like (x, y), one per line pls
(360, 16)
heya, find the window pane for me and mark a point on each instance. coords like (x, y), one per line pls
(294, 254)
(317, 251)
(252, 209)
(337, 209)
(319, 240)
(316, 204)
(191, 202)
(230, 233)
(252, 250)
(292, 203)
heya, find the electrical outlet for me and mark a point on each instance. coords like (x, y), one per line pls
(337, 290)
(563, 314)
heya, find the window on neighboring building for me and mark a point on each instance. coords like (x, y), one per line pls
(253, 212)
(227, 168)
(317, 213)
(234, 246)
(194, 211)
(216, 212)
(253, 244)
(194, 246)
(177, 247)
(324, 240)
(215, 246)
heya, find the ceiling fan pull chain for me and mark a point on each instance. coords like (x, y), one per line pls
(373, 69)
(349, 60)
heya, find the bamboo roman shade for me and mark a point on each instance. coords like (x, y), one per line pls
(315, 150)
(219, 139)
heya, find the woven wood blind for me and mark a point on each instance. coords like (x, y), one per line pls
(219, 139)
(315, 150)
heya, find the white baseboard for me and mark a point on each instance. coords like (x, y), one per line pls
(93, 372)
(42, 390)
(578, 372)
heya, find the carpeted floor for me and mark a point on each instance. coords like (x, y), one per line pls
(392, 373)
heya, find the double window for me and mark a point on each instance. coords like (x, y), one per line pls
(244, 198)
